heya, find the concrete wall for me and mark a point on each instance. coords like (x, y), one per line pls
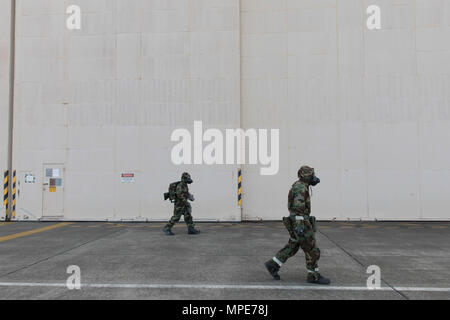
(105, 99)
(5, 23)
(370, 110)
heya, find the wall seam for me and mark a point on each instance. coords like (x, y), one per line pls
(240, 94)
(12, 53)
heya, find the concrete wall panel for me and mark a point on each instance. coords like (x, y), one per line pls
(105, 99)
(367, 109)
(370, 110)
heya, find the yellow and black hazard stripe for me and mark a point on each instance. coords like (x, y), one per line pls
(13, 207)
(239, 188)
(5, 190)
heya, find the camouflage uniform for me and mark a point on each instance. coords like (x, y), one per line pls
(301, 227)
(182, 206)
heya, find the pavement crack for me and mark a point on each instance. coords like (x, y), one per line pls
(58, 254)
(361, 264)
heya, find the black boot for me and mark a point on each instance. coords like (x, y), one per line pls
(273, 269)
(168, 232)
(192, 230)
(319, 280)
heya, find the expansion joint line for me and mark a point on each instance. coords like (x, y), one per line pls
(361, 264)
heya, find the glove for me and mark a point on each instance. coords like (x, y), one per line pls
(312, 220)
(191, 197)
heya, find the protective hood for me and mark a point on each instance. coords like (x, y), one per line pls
(306, 174)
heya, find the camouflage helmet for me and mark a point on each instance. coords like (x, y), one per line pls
(186, 177)
(306, 173)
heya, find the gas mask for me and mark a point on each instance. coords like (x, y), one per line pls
(186, 177)
(315, 180)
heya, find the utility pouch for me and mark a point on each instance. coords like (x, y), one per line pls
(287, 221)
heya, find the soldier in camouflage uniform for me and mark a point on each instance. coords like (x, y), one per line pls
(182, 206)
(301, 227)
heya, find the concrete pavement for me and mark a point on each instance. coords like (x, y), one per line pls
(136, 261)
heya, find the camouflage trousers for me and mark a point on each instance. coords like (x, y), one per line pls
(178, 211)
(307, 242)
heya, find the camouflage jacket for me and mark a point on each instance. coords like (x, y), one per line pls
(299, 201)
(182, 194)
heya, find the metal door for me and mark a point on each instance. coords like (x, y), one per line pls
(53, 191)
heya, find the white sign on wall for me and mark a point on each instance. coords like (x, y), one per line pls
(30, 178)
(127, 177)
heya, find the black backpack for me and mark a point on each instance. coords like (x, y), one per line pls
(172, 194)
